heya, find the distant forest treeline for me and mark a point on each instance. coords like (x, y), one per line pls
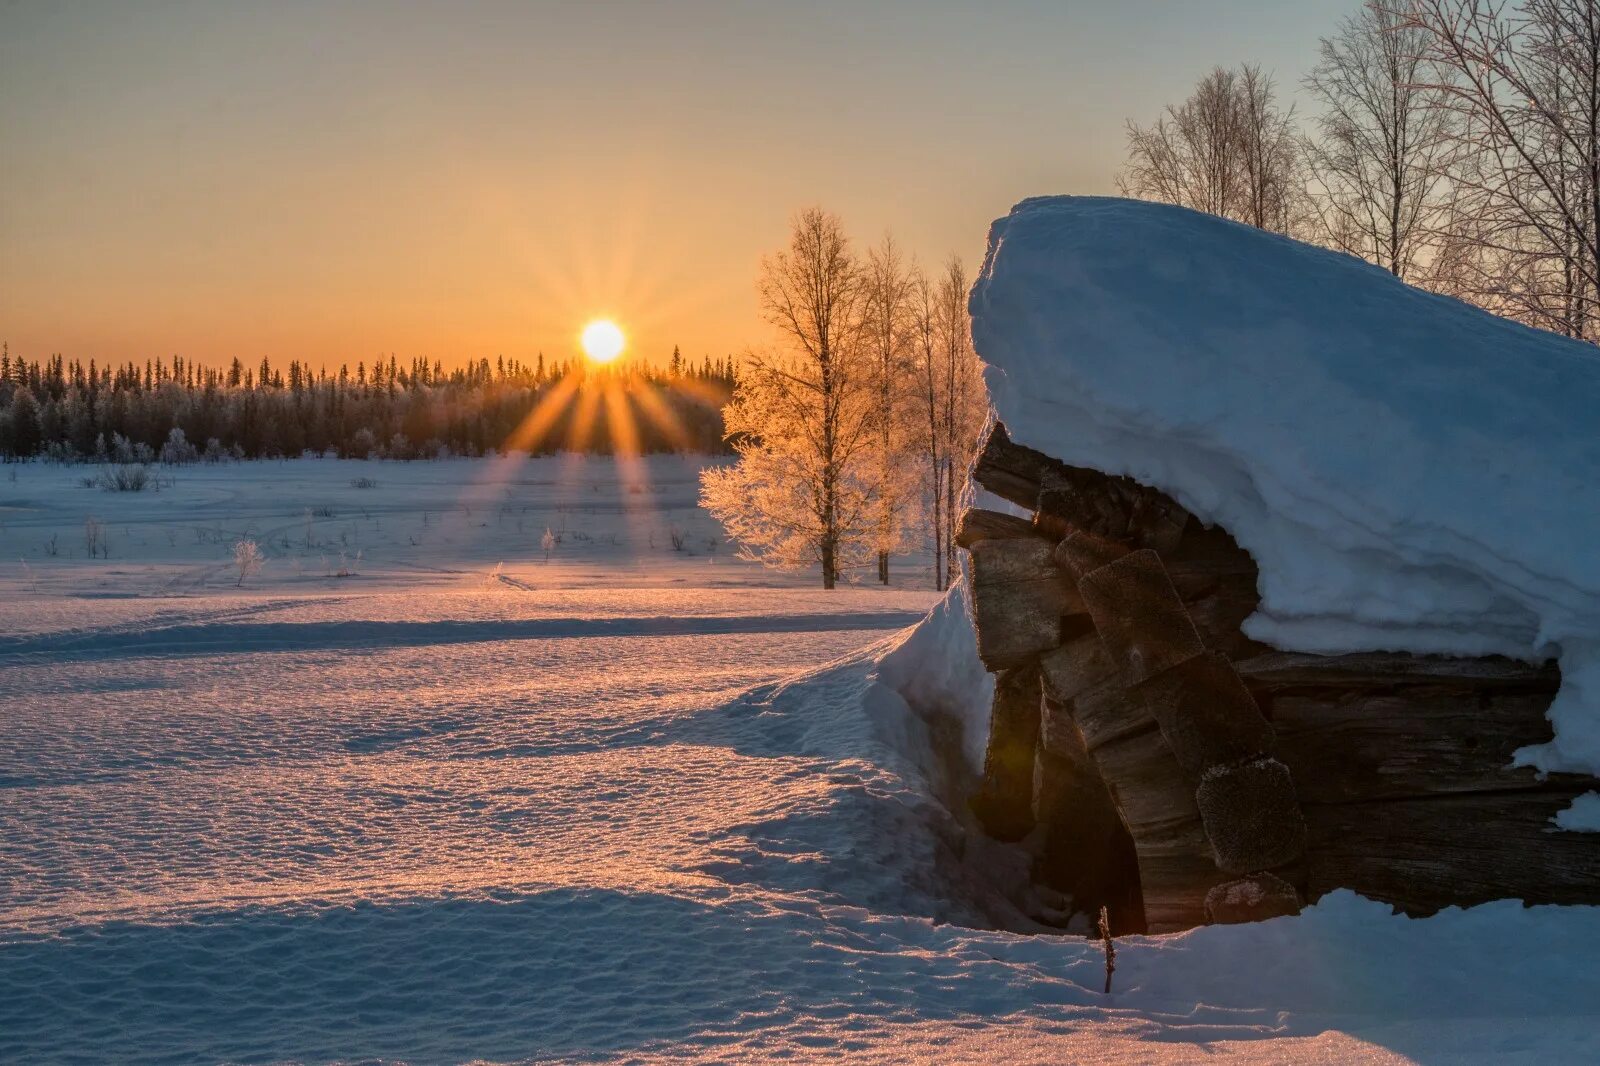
(180, 410)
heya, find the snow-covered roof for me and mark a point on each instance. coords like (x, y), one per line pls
(1410, 472)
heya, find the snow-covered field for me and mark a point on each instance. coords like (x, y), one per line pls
(465, 802)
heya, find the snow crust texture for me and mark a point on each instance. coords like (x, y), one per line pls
(1410, 473)
(630, 805)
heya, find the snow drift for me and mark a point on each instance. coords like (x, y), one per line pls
(1409, 472)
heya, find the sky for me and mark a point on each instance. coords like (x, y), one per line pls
(331, 181)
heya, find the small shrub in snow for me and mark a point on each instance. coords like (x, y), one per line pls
(363, 483)
(1110, 947)
(125, 478)
(95, 542)
(548, 543)
(247, 559)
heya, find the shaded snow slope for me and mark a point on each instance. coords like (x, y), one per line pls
(1411, 473)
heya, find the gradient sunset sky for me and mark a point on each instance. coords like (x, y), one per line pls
(329, 181)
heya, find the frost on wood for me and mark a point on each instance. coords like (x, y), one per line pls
(1020, 600)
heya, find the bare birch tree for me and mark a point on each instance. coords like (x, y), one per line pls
(952, 404)
(1189, 156)
(1378, 170)
(1523, 89)
(1227, 150)
(887, 336)
(1268, 151)
(925, 362)
(802, 422)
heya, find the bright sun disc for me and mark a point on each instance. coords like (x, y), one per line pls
(602, 340)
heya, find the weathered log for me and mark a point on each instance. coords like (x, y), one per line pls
(1068, 503)
(1011, 471)
(1208, 558)
(980, 524)
(1080, 553)
(1351, 745)
(1139, 617)
(1218, 617)
(1019, 596)
(1216, 579)
(1206, 714)
(1251, 815)
(1145, 780)
(1254, 898)
(1176, 868)
(1178, 884)
(1084, 850)
(1105, 711)
(1064, 496)
(1076, 666)
(1004, 803)
(1424, 854)
(1276, 671)
(1155, 520)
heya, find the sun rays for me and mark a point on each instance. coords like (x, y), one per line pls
(610, 408)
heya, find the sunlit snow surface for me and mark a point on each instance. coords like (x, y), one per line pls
(436, 811)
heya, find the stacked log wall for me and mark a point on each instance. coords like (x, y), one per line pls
(1242, 781)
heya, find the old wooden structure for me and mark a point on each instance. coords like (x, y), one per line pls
(1161, 763)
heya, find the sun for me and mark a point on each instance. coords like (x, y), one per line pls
(602, 340)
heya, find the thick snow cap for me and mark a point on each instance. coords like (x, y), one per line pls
(1410, 473)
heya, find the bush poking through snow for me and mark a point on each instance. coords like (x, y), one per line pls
(364, 483)
(1110, 947)
(247, 559)
(347, 567)
(125, 477)
(548, 543)
(95, 542)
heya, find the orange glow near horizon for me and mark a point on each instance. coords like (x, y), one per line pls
(333, 184)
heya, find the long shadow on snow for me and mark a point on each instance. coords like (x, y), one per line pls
(224, 638)
(564, 973)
